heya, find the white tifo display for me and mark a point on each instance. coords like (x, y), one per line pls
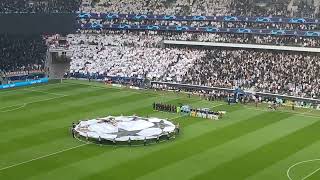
(123, 128)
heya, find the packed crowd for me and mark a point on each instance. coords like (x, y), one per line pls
(143, 56)
(262, 8)
(203, 7)
(117, 58)
(22, 52)
(154, 38)
(302, 8)
(118, 38)
(39, 6)
(291, 73)
(248, 39)
(178, 7)
(307, 9)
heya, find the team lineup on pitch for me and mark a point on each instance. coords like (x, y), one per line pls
(252, 142)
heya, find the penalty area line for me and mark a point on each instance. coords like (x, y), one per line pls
(22, 105)
(302, 162)
(44, 92)
(42, 157)
(309, 175)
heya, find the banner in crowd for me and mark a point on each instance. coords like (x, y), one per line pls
(208, 29)
(199, 18)
(25, 83)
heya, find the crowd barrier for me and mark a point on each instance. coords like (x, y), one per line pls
(206, 88)
(243, 46)
(25, 83)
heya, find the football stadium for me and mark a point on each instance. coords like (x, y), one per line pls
(160, 89)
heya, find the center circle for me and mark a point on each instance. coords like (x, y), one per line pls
(125, 129)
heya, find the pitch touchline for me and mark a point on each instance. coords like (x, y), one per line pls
(20, 107)
(56, 94)
(42, 157)
(281, 111)
(24, 88)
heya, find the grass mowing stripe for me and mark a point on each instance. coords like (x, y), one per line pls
(97, 104)
(25, 162)
(58, 88)
(173, 154)
(62, 118)
(33, 140)
(69, 164)
(211, 136)
(170, 101)
(160, 146)
(44, 92)
(114, 158)
(55, 160)
(314, 176)
(21, 96)
(54, 105)
(36, 138)
(118, 108)
(94, 107)
(33, 96)
(253, 162)
(20, 89)
(217, 155)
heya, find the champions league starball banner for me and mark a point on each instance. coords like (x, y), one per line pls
(25, 83)
(199, 18)
(209, 29)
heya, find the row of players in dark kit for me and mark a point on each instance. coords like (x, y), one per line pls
(164, 107)
(73, 131)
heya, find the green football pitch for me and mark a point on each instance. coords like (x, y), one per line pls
(247, 143)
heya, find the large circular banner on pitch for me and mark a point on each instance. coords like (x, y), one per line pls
(123, 128)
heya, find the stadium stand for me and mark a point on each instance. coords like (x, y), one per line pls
(140, 53)
(39, 6)
(266, 71)
(295, 74)
(22, 52)
(280, 8)
(140, 61)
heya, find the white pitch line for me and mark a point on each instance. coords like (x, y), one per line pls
(307, 111)
(311, 174)
(281, 111)
(23, 88)
(20, 107)
(90, 85)
(25, 104)
(42, 157)
(217, 105)
(298, 163)
(56, 94)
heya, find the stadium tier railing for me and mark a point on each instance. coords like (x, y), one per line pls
(245, 46)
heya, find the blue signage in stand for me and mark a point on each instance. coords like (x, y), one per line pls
(258, 19)
(25, 83)
(209, 29)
